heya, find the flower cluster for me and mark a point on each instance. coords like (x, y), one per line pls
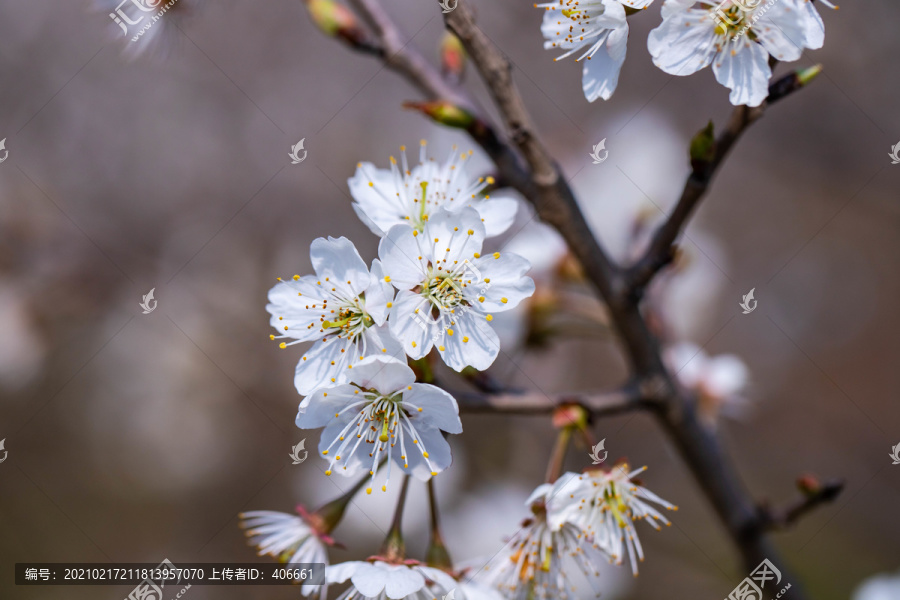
(433, 220)
(432, 287)
(577, 521)
(429, 288)
(736, 37)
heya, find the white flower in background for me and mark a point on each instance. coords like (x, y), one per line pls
(596, 27)
(342, 307)
(289, 538)
(382, 413)
(534, 562)
(690, 39)
(879, 587)
(384, 198)
(381, 580)
(718, 381)
(603, 504)
(448, 291)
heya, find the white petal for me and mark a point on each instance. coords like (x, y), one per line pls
(288, 309)
(783, 26)
(380, 342)
(320, 407)
(415, 330)
(743, 66)
(377, 205)
(439, 457)
(378, 294)
(497, 212)
(439, 409)
(453, 236)
(396, 581)
(438, 576)
(339, 262)
(501, 278)
(385, 375)
(315, 369)
(673, 6)
(341, 572)
(473, 343)
(600, 73)
(403, 582)
(399, 251)
(684, 42)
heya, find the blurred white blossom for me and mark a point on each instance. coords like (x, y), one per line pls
(879, 587)
(718, 381)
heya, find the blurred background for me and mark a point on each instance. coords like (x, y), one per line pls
(164, 164)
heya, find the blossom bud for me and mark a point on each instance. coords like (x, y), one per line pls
(336, 20)
(453, 57)
(444, 112)
(809, 485)
(570, 415)
(703, 147)
(805, 76)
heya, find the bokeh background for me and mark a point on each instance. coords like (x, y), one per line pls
(135, 437)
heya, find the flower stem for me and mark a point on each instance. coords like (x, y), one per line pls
(393, 548)
(437, 554)
(554, 468)
(330, 514)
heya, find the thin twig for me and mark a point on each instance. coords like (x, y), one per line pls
(786, 517)
(661, 250)
(600, 404)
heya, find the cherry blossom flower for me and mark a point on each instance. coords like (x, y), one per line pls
(290, 538)
(382, 413)
(342, 307)
(738, 44)
(388, 197)
(533, 564)
(380, 580)
(596, 27)
(603, 504)
(448, 291)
